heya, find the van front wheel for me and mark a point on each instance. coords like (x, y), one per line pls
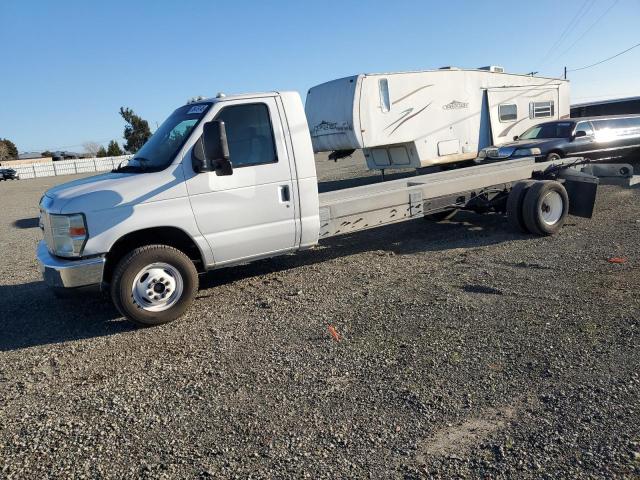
(154, 284)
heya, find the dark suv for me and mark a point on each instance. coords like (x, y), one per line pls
(596, 138)
(9, 174)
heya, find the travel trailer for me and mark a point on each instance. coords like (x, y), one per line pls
(418, 119)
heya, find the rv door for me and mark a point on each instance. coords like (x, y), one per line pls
(514, 109)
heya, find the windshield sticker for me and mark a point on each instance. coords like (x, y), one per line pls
(197, 109)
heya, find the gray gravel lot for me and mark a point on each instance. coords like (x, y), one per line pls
(465, 350)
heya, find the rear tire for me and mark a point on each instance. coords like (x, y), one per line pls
(154, 284)
(545, 207)
(514, 206)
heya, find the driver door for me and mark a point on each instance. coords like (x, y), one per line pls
(250, 213)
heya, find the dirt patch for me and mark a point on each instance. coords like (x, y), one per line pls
(458, 439)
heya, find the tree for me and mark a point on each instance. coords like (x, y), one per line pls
(12, 151)
(47, 153)
(114, 150)
(91, 148)
(101, 152)
(136, 132)
(4, 152)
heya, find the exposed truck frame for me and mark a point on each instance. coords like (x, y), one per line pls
(478, 188)
(145, 235)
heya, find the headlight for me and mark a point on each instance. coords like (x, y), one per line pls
(69, 234)
(527, 152)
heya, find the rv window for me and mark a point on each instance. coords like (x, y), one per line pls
(541, 109)
(508, 112)
(385, 102)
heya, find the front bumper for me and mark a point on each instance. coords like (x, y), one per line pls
(60, 272)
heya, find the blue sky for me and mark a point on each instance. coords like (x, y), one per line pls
(68, 66)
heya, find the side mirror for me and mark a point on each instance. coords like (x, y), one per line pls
(211, 152)
(516, 137)
(580, 133)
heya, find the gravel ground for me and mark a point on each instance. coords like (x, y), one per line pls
(464, 351)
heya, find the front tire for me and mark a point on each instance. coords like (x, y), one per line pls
(553, 157)
(154, 284)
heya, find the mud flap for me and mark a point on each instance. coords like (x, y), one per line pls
(581, 189)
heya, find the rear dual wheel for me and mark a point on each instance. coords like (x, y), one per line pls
(538, 207)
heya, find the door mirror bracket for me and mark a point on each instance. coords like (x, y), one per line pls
(580, 133)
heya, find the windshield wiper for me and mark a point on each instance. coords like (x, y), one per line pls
(128, 169)
(131, 168)
(142, 161)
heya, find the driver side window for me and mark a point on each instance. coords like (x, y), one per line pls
(585, 127)
(249, 134)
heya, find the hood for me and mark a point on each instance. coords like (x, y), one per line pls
(112, 190)
(505, 150)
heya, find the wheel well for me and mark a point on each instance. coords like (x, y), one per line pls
(172, 236)
(556, 150)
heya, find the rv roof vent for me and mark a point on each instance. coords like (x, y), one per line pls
(493, 68)
(448, 67)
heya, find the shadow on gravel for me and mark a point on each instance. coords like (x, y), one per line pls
(31, 315)
(27, 223)
(465, 230)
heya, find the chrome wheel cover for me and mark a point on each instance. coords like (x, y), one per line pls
(157, 287)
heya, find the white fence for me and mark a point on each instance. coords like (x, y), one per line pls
(68, 167)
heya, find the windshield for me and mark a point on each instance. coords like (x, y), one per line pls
(548, 130)
(167, 140)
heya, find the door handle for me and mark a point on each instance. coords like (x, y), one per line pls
(284, 193)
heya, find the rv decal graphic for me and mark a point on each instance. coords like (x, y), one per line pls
(410, 93)
(404, 117)
(508, 129)
(330, 128)
(455, 105)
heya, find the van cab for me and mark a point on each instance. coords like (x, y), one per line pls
(222, 181)
(597, 138)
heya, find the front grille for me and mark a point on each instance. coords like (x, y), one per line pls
(492, 152)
